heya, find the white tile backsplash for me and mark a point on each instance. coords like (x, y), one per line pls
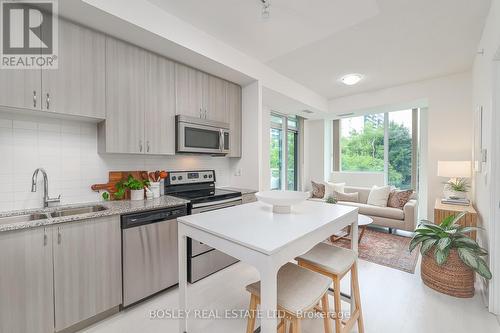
(68, 151)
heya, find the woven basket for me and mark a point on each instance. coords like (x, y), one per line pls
(453, 278)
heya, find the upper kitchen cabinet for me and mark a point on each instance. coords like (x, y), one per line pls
(214, 101)
(189, 91)
(233, 109)
(123, 130)
(77, 86)
(199, 94)
(160, 105)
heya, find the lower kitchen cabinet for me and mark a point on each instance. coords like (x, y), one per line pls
(26, 291)
(87, 269)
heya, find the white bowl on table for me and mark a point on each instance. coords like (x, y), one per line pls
(282, 201)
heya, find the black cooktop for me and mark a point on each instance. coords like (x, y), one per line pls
(207, 195)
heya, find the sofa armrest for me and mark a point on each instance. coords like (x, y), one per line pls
(410, 212)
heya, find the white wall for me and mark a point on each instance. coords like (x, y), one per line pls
(314, 152)
(484, 85)
(449, 115)
(362, 179)
(68, 151)
(247, 171)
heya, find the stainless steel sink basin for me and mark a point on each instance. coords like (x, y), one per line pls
(77, 211)
(23, 218)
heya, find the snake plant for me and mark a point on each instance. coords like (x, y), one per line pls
(450, 235)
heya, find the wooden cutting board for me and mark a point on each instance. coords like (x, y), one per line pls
(114, 178)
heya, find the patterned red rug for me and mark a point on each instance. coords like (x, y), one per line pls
(385, 249)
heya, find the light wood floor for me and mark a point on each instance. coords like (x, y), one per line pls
(393, 301)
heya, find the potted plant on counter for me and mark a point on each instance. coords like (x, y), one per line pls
(135, 186)
(449, 256)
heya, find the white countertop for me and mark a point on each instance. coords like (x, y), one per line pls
(255, 226)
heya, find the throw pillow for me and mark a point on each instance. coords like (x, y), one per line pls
(399, 198)
(379, 195)
(330, 188)
(318, 190)
(347, 197)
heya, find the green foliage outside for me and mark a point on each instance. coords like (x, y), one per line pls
(364, 151)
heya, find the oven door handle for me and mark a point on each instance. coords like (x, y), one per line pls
(208, 206)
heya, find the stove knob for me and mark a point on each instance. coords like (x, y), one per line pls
(205, 176)
(174, 178)
(209, 176)
(180, 177)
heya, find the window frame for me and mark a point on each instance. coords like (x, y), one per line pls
(283, 126)
(337, 149)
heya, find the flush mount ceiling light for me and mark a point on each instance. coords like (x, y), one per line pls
(351, 79)
(266, 8)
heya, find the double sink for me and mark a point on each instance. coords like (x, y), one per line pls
(62, 212)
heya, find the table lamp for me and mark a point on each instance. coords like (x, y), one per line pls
(456, 187)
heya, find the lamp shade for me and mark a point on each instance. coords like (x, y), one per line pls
(454, 169)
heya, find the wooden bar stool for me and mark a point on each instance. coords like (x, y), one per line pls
(335, 262)
(299, 290)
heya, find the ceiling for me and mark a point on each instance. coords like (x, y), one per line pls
(315, 42)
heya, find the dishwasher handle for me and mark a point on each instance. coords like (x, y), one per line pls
(143, 218)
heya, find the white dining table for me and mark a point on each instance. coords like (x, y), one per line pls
(255, 235)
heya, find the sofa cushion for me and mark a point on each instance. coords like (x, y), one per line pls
(330, 188)
(351, 197)
(318, 190)
(399, 198)
(379, 196)
(387, 212)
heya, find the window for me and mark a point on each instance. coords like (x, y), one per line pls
(381, 142)
(284, 152)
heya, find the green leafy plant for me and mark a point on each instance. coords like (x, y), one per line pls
(458, 185)
(131, 183)
(450, 235)
(331, 200)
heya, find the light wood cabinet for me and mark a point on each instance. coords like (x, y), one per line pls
(199, 94)
(188, 91)
(77, 86)
(233, 112)
(87, 269)
(26, 281)
(160, 105)
(123, 130)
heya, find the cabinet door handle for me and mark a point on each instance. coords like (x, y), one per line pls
(59, 235)
(45, 238)
(205, 113)
(201, 111)
(34, 98)
(140, 146)
(147, 146)
(48, 101)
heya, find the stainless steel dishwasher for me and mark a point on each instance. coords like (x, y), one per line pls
(149, 252)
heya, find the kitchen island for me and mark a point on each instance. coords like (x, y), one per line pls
(254, 234)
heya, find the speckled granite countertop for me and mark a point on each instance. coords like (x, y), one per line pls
(242, 190)
(113, 208)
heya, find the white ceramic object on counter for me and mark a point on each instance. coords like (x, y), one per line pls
(155, 188)
(137, 195)
(282, 201)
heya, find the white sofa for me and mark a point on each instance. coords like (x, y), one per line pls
(393, 218)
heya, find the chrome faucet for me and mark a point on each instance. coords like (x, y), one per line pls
(46, 199)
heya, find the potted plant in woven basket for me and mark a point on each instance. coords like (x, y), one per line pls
(449, 256)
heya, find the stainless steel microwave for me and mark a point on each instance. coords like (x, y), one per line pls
(195, 135)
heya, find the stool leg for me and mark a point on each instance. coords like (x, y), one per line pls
(282, 326)
(251, 318)
(357, 296)
(337, 303)
(296, 325)
(326, 313)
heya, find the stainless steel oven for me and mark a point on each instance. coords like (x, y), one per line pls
(195, 135)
